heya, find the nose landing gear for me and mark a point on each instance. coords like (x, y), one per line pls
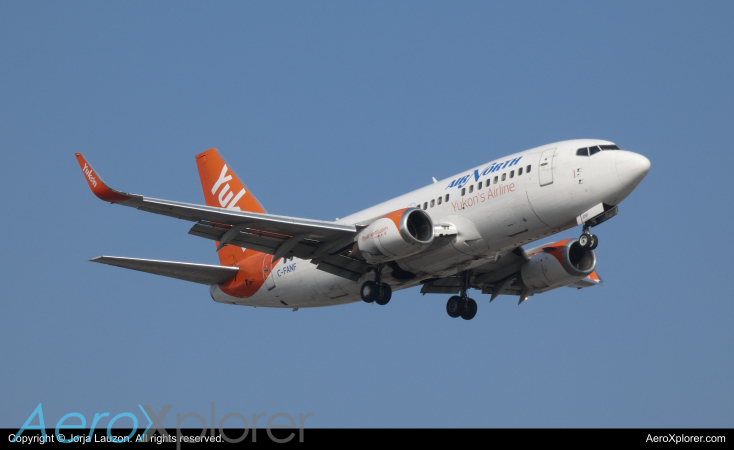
(376, 291)
(588, 240)
(461, 305)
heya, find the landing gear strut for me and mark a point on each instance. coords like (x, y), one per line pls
(588, 240)
(376, 291)
(460, 305)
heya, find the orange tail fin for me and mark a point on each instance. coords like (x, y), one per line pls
(223, 189)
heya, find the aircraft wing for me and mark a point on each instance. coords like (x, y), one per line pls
(197, 273)
(498, 276)
(268, 233)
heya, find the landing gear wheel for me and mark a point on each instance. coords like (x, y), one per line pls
(594, 242)
(470, 310)
(384, 293)
(584, 240)
(455, 306)
(368, 291)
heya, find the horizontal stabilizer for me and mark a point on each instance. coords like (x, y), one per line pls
(196, 273)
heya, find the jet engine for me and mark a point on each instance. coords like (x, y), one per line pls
(556, 265)
(396, 235)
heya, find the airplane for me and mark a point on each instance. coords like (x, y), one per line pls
(464, 232)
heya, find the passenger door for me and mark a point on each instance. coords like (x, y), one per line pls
(545, 167)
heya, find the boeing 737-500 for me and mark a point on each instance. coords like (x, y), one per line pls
(464, 232)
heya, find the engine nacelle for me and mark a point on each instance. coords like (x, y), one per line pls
(396, 235)
(556, 265)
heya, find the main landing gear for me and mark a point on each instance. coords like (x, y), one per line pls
(588, 240)
(460, 305)
(376, 291)
(466, 308)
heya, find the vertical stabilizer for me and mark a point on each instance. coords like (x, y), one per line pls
(223, 189)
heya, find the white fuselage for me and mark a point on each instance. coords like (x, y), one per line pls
(491, 220)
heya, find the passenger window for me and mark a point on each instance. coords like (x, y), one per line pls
(504, 175)
(439, 200)
(512, 174)
(582, 151)
(433, 203)
(496, 179)
(425, 205)
(447, 197)
(593, 150)
(479, 186)
(463, 191)
(519, 171)
(527, 169)
(471, 188)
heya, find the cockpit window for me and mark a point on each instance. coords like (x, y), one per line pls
(593, 150)
(609, 147)
(582, 151)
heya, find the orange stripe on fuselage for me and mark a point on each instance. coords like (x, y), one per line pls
(251, 275)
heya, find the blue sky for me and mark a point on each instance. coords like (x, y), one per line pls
(326, 108)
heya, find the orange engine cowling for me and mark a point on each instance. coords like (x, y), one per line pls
(556, 265)
(396, 235)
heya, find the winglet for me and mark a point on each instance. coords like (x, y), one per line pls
(98, 187)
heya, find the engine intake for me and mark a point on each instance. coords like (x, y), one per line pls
(396, 235)
(557, 265)
(577, 260)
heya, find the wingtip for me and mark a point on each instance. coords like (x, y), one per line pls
(98, 187)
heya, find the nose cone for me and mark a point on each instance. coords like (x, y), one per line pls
(631, 168)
